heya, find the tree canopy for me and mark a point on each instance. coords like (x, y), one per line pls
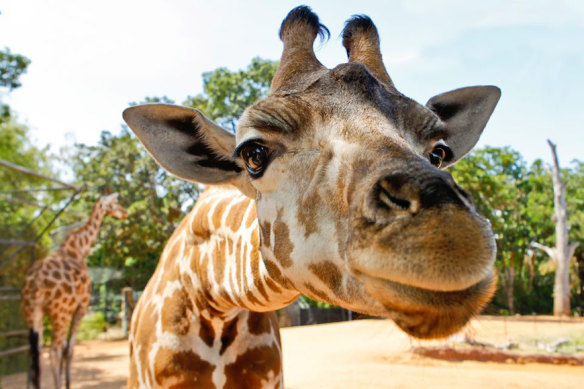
(12, 66)
(22, 207)
(518, 200)
(226, 94)
(154, 199)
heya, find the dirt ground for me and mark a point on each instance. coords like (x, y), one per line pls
(372, 354)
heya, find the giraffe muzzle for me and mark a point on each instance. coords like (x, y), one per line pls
(426, 313)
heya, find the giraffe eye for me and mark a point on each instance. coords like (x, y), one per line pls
(255, 157)
(439, 154)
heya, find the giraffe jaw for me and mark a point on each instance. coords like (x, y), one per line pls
(121, 215)
(428, 314)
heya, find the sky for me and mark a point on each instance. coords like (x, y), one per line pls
(90, 59)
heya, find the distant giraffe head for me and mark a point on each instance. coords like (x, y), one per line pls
(353, 205)
(112, 207)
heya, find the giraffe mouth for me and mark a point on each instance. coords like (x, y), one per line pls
(425, 313)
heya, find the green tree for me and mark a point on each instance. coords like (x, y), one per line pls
(564, 260)
(23, 213)
(12, 66)
(155, 200)
(19, 206)
(574, 179)
(226, 94)
(518, 200)
(495, 177)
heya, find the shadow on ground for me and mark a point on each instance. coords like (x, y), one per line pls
(96, 364)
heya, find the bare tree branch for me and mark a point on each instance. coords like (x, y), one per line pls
(548, 250)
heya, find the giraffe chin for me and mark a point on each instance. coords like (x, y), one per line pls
(429, 314)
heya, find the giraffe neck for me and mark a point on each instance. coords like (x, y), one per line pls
(225, 265)
(213, 287)
(78, 243)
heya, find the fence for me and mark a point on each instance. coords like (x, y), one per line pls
(14, 259)
(13, 332)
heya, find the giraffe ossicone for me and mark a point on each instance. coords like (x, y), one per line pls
(58, 287)
(330, 188)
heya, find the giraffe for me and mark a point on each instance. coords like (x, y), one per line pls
(58, 286)
(333, 186)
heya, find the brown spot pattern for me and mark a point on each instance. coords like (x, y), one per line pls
(252, 367)
(316, 293)
(276, 274)
(67, 288)
(266, 229)
(50, 284)
(272, 285)
(329, 274)
(228, 334)
(258, 323)
(176, 313)
(283, 246)
(186, 366)
(206, 331)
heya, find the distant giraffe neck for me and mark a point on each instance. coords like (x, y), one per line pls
(79, 242)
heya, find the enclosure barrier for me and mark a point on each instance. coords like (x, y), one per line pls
(13, 248)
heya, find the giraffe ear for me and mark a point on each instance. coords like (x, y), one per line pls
(464, 113)
(187, 144)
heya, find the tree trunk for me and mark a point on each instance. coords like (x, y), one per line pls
(531, 268)
(563, 251)
(510, 275)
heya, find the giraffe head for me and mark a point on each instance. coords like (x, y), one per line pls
(112, 207)
(353, 204)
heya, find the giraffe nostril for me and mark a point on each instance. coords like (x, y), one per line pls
(393, 202)
(396, 192)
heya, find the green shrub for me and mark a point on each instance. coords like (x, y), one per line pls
(91, 326)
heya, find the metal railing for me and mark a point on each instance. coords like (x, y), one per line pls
(9, 294)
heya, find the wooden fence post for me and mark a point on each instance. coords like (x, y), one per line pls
(127, 308)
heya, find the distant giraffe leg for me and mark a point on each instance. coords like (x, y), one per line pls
(70, 345)
(35, 337)
(57, 346)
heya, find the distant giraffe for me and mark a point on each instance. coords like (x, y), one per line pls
(331, 187)
(58, 287)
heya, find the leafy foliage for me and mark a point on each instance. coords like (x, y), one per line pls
(22, 212)
(91, 326)
(12, 66)
(227, 93)
(155, 200)
(518, 200)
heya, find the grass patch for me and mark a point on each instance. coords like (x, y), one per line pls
(576, 345)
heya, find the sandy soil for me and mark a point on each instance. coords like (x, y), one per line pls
(371, 354)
